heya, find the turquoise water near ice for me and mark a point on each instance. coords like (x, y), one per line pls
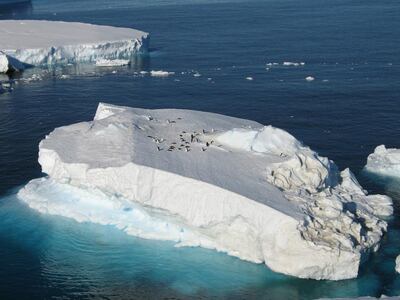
(350, 47)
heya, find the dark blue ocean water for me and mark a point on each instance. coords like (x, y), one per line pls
(351, 48)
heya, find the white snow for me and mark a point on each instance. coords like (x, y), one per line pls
(397, 264)
(202, 179)
(161, 73)
(34, 43)
(384, 161)
(310, 78)
(249, 78)
(112, 63)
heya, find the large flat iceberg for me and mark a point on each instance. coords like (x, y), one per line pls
(208, 180)
(34, 43)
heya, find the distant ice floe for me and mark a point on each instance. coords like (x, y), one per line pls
(286, 64)
(208, 180)
(384, 162)
(161, 73)
(310, 78)
(294, 64)
(249, 78)
(30, 43)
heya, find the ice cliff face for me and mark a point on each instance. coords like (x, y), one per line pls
(384, 161)
(252, 191)
(36, 43)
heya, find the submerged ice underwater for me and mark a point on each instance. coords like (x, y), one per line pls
(349, 108)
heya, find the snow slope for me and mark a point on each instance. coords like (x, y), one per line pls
(34, 43)
(252, 191)
(384, 161)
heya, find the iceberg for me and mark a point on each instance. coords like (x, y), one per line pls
(28, 43)
(202, 179)
(384, 161)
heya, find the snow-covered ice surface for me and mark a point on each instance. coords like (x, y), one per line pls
(384, 162)
(202, 179)
(35, 43)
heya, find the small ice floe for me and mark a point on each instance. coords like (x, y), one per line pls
(34, 77)
(310, 78)
(112, 63)
(272, 64)
(249, 78)
(197, 74)
(161, 73)
(384, 161)
(293, 64)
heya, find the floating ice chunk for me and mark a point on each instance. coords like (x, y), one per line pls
(161, 73)
(310, 78)
(197, 74)
(112, 63)
(384, 161)
(294, 64)
(249, 78)
(252, 191)
(34, 43)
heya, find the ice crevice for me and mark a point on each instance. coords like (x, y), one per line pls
(234, 185)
